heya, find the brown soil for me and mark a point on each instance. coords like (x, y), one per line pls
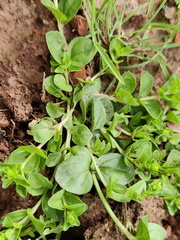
(24, 61)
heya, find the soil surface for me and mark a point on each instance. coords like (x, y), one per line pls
(24, 62)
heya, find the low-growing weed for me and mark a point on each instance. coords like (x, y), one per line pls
(90, 136)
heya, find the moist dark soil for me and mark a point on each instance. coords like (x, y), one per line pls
(24, 63)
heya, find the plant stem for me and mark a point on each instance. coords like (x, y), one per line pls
(98, 171)
(148, 98)
(109, 210)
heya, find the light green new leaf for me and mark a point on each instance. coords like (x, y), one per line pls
(69, 8)
(146, 84)
(108, 62)
(33, 149)
(14, 217)
(81, 135)
(173, 116)
(57, 13)
(113, 164)
(56, 41)
(81, 51)
(60, 82)
(37, 223)
(142, 229)
(156, 232)
(99, 117)
(74, 176)
(116, 191)
(153, 108)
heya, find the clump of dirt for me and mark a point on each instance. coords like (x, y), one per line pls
(24, 61)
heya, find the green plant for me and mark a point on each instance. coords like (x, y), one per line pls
(120, 139)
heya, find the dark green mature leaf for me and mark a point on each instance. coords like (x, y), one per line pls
(153, 108)
(146, 84)
(99, 117)
(58, 14)
(81, 51)
(81, 135)
(69, 8)
(73, 174)
(56, 41)
(113, 163)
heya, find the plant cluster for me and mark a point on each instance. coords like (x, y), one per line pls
(118, 138)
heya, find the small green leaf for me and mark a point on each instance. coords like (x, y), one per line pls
(113, 163)
(140, 150)
(53, 110)
(56, 41)
(81, 135)
(58, 14)
(125, 97)
(60, 82)
(173, 117)
(153, 108)
(33, 149)
(129, 83)
(146, 84)
(175, 139)
(69, 8)
(42, 131)
(116, 191)
(51, 87)
(156, 231)
(38, 183)
(38, 224)
(56, 201)
(74, 176)
(108, 107)
(53, 159)
(98, 114)
(142, 229)
(81, 51)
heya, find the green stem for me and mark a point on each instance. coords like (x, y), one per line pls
(98, 171)
(149, 98)
(109, 210)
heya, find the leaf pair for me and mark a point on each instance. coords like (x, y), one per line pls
(65, 10)
(79, 52)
